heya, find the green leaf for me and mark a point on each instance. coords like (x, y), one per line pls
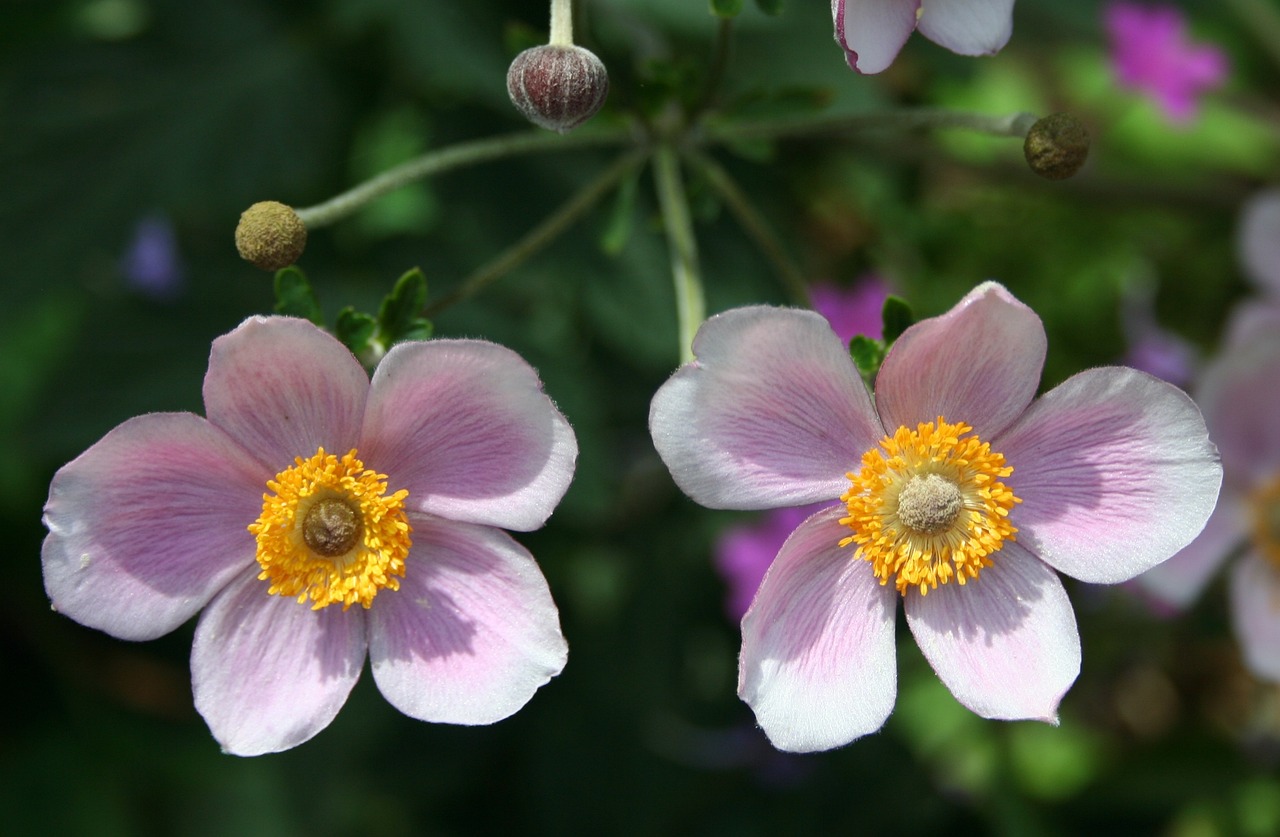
(398, 317)
(773, 8)
(867, 355)
(726, 8)
(294, 297)
(897, 317)
(355, 329)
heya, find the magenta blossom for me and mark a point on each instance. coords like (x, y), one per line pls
(871, 32)
(317, 517)
(853, 310)
(1151, 54)
(960, 494)
(1239, 393)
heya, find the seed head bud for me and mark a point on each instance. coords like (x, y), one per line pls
(557, 87)
(1056, 146)
(270, 235)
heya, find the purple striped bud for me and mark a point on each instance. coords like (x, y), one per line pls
(557, 87)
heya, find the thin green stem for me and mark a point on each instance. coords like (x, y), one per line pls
(543, 234)
(907, 119)
(1262, 18)
(754, 224)
(561, 23)
(691, 306)
(716, 71)
(447, 159)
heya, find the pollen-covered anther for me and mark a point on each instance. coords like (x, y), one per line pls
(330, 532)
(928, 507)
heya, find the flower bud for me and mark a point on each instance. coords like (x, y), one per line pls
(270, 235)
(557, 87)
(1056, 146)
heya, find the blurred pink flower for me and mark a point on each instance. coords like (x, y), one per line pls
(1239, 393)
(1151, 54)
(1153, 348)
(1113, 471)
(248, 516)
(1259, 241)
(743, 553)
(871, 32)
(853, 310)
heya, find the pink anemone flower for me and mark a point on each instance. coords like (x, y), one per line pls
(960, 495)
(1151, 54)
(1239, 393)
(316, 517)
(871, 32)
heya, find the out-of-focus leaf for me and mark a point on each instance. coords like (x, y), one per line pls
(726, 8)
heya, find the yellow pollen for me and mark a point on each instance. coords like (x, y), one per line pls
(329, 532)
(1265, 507)
(929, 507)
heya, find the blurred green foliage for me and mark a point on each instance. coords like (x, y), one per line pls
(115, 109)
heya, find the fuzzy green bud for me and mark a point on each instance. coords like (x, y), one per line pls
(557, 87)
(1056, 146)
(270, 235)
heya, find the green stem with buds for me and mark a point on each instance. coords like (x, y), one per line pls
(540, 236)
(691, 307)
(447, 159)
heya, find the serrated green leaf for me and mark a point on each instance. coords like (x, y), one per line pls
(726, 8)
(773, 8)
(897, 317)
(867, 355)
(355, 329)
(398, 314)
(294, 297)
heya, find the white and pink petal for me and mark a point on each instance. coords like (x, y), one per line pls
(149, 523)
(1006, 643)
(269, 673)
(1255, 614)
(465, 427)
(967, 27)
(472, 632)
(872, 32)
(1115, 471)
(1179, 581)
(1237, 394)
(283, 388)
(771, 413)
(818, 658)
(979, 363)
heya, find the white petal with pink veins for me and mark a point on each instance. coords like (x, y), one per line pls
(772, 413)
(472, 632)
(269, 673)
(465, 428)
(818, 657)
(1005, 643)
(1116, 473)
(283, 388)
(149, 523)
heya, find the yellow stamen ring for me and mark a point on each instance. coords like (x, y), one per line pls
(329, 532)
(929, 508)
(1265, 507)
